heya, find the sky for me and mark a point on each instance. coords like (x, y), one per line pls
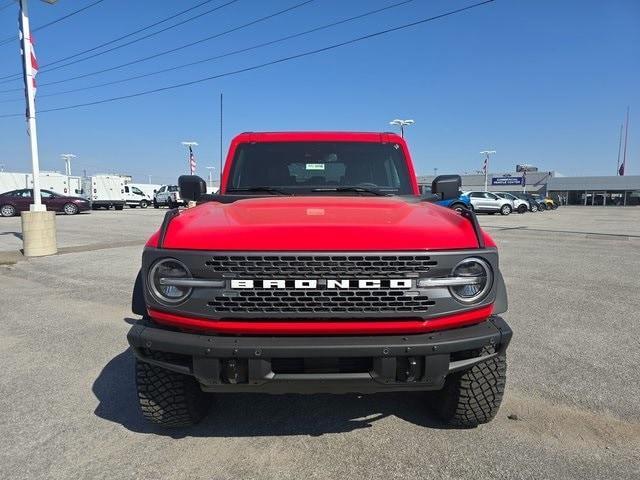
(543, 82)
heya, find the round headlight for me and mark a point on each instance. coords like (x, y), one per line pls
(161, 275)
(477, 270)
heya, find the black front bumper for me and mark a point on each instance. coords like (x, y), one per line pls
(268, 364)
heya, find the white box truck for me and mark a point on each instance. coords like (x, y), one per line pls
(13, 181)
(59, 183)
(105, 191)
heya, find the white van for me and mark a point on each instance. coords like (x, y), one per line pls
(134, 197)
(105, 191)
(149, 189)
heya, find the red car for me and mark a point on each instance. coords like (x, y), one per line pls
(19, 200)
(319, 269)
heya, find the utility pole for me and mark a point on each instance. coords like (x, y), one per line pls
(485, 168)
(402, 124)
(221, 146)
(67, 162)
(619, 151)
(149, 178)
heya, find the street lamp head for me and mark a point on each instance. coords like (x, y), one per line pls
(190, 144)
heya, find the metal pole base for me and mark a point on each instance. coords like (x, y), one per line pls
(39, 234)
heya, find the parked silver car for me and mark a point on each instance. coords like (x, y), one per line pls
(490, 203)
(519, 205)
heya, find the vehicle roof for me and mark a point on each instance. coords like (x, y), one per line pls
(326, 136)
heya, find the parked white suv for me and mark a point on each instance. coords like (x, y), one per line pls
(519, 205)
(168, 195)
(490, 203)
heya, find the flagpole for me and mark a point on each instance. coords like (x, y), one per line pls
(619, 150)
(36, 206)
(626, 134)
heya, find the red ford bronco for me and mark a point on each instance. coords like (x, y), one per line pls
(318, 267)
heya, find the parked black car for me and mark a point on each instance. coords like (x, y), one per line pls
(535, 204)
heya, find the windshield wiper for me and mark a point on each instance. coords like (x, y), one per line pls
(272, 190)
(352, 189)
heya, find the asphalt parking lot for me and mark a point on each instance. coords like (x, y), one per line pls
(67, 397)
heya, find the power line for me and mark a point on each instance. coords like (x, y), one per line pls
(224, 55)
(175, 49)
(190, 19)
(6, 5)
(45, 68)
(263, 65)
(53, 22)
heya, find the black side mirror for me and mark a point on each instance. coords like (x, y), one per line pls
(192, 187)
(447, 186)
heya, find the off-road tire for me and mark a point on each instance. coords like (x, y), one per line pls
(168, 398)
(472, 397)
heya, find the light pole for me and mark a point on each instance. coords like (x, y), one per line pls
(402, 124)
(67, 162)
(191, 159)
(211, 169)
(485, 168)
(38, 225)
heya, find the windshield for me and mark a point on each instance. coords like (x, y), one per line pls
(320, 167)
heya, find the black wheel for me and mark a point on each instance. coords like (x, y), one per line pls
(118, 207)
(472, 397)
(70, 209)
(155, 203)
(522, 209)
(168, 398)
(534, 207)
(144, 204)
(7, 210)
(132, 206)
(458, 207)
(505, 210)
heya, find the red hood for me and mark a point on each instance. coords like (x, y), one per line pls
(319, 223)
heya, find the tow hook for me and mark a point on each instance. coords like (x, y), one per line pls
(234, 371)
(412, 369)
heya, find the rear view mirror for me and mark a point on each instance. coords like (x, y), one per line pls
(192, 187)
(447, 186)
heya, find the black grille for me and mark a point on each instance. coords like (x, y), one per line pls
(301, 266)
(319, 301)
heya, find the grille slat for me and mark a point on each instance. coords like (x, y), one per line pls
(292, 266)
(288, 301)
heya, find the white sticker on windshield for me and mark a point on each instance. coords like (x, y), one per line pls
(315, 166)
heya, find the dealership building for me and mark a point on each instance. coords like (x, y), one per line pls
(603, 190)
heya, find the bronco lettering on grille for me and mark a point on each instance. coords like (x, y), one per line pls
(324, 284)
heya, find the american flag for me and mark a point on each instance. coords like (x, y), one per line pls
(192, 161)
(34, 63)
